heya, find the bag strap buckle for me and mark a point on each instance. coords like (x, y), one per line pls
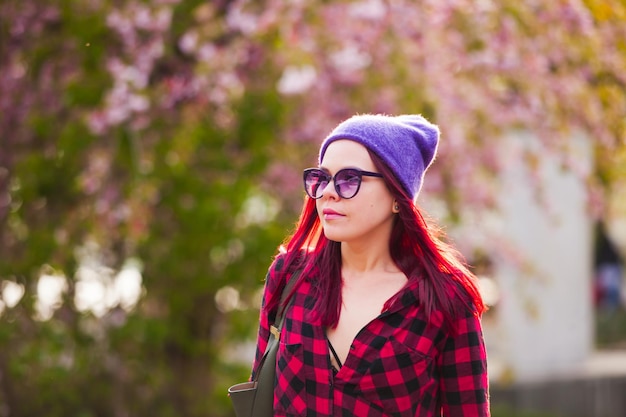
(274, 330)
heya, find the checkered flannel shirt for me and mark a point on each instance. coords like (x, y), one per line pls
(401, 364)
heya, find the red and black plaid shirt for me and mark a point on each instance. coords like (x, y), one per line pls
(401, 364)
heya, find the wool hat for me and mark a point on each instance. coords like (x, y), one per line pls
(407, 144)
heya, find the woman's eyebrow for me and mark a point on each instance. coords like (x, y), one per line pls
(341, 168)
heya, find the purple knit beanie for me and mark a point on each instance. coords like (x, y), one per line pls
(407, 144)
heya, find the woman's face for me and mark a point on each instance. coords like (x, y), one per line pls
(367, 215)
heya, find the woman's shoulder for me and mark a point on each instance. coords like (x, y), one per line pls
(284, 267)
(286, 264)
(451, 300)
(290, 259)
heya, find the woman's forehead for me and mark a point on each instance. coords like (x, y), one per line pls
(346, 153)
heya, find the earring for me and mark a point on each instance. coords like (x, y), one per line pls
(396, 208)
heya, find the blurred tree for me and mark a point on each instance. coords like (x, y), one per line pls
(172, 132)
(104, 161)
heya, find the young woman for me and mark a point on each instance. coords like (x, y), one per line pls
(384, 318)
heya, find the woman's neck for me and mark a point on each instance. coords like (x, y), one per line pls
(360, 260)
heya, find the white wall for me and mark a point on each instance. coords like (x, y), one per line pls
(543, 324)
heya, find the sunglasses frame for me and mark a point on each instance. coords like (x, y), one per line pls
(360, 174)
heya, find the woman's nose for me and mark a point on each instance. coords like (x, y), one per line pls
(329, 191)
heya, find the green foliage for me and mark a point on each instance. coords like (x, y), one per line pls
(611, 329)
(188, 185)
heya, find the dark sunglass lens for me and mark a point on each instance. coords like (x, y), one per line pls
(347, 182)
(315, 183)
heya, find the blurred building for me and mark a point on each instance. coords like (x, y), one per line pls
(541, 273)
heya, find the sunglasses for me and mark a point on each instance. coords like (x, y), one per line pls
(347, 181)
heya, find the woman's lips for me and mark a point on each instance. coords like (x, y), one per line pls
(330, 214)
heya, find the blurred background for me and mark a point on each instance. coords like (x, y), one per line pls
(150, 160)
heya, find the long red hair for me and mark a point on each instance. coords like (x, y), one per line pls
(416, 245)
